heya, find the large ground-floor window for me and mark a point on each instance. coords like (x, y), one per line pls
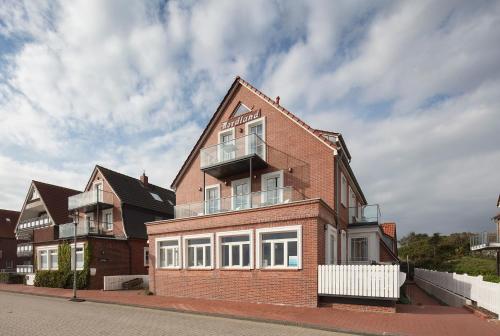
(280, 247)
(168, 252)
(235, 249)
(80, 256)
(47, 258)
(199, 251)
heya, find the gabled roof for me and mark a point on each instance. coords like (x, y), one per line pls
(55, 199)
(132, 191)
(8, 220)
(240, 81)
(389, 229)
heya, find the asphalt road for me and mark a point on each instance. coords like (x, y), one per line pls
(42, 316)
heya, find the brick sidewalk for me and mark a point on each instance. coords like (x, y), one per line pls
(426, 319)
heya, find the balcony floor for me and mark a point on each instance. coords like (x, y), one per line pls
(236, 166)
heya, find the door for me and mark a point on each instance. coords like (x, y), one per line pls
(227, 147)
(99, 191)
(273, 192)
(256, 143)
(241, 194)
(212, 204)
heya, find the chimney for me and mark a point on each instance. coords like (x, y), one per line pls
(278, 100)
(144, 178)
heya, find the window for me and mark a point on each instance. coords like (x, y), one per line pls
(107, 219)
(146, 256)
(212, 199)
(99, 191)
(79, 257)
(256, 144)
(235, 249)
(168, 252)
(272, 188)
(331, 245)
(35, 194)
(359, 211)
(280, 247)
(226, 147)
(359, 249)
(241, 194)
(240, 109)
(343, 246)
(343, 190)
(156, 196)
(198, 251)
(352, 204)
(47, 258)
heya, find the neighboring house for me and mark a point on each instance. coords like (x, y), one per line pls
(262, 200)
(111, 213)
(8, 242)
(44, 209)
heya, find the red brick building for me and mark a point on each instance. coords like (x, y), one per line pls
(110, 216)
(8, 243)
(262, 200)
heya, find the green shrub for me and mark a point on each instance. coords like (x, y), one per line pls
(12, 278)
(491, 278)
(63, 278)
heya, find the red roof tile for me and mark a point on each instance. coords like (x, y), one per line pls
(389, 229)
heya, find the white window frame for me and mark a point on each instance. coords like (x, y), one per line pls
(263, 185)
(48, 250)
(237, 107)
(331, 231)
(261, 120)
(220, 235)
(343, 246)
(103, 216)
(95, 185)
(220, 154)
(367, 240)
(238, 182)
(82, 246)
(207, 188)
(146, 256)
(185, 251)
(179, 246)
(343, 189)
(352, 207)
(258, 250)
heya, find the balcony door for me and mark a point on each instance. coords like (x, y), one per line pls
(255, 143)
(272, 188)
(99, 191)
(240, 194)
(227, 146)
(212, 199)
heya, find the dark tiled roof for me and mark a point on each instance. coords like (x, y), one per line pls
(132, 191)
(55, 199)
(7, 227)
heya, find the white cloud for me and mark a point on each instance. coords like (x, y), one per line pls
(412, 85)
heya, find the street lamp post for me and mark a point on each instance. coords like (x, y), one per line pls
(74, 298)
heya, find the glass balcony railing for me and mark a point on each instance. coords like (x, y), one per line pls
(484, 240)
(89, 198)
(25, 250)
(24, 269)
(34, 223)
(90, 227)
(240, 202)
(233, 150)
(364, 214)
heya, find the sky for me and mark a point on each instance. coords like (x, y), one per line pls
(413, 86)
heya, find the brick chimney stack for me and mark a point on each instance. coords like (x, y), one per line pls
(278, 100)
(144, 178)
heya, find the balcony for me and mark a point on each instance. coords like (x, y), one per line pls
(91, 200)
(485, 241)
(34, 223)
(90, 227)
(364, 215)
(241, 202)
(24, 269)
(24, 250)
(234, 157)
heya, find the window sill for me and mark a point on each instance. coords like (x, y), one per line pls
(235, 268)
(199, 268)
(280, 269)
(168, 268)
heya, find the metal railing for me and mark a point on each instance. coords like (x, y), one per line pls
(24, 269)
(89, 198)
(90, 227)
(257, 199)
(232, 150)
(34, 223)
(365, 214)
(483, 239)
(25, 250)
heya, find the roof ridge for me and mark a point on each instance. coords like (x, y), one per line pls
(130, 177)
(54, 185)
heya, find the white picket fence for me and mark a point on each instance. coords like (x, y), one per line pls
(486, 294)
(115, 282)
(375, 281)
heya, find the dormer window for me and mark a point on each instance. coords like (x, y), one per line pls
(240, 109)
